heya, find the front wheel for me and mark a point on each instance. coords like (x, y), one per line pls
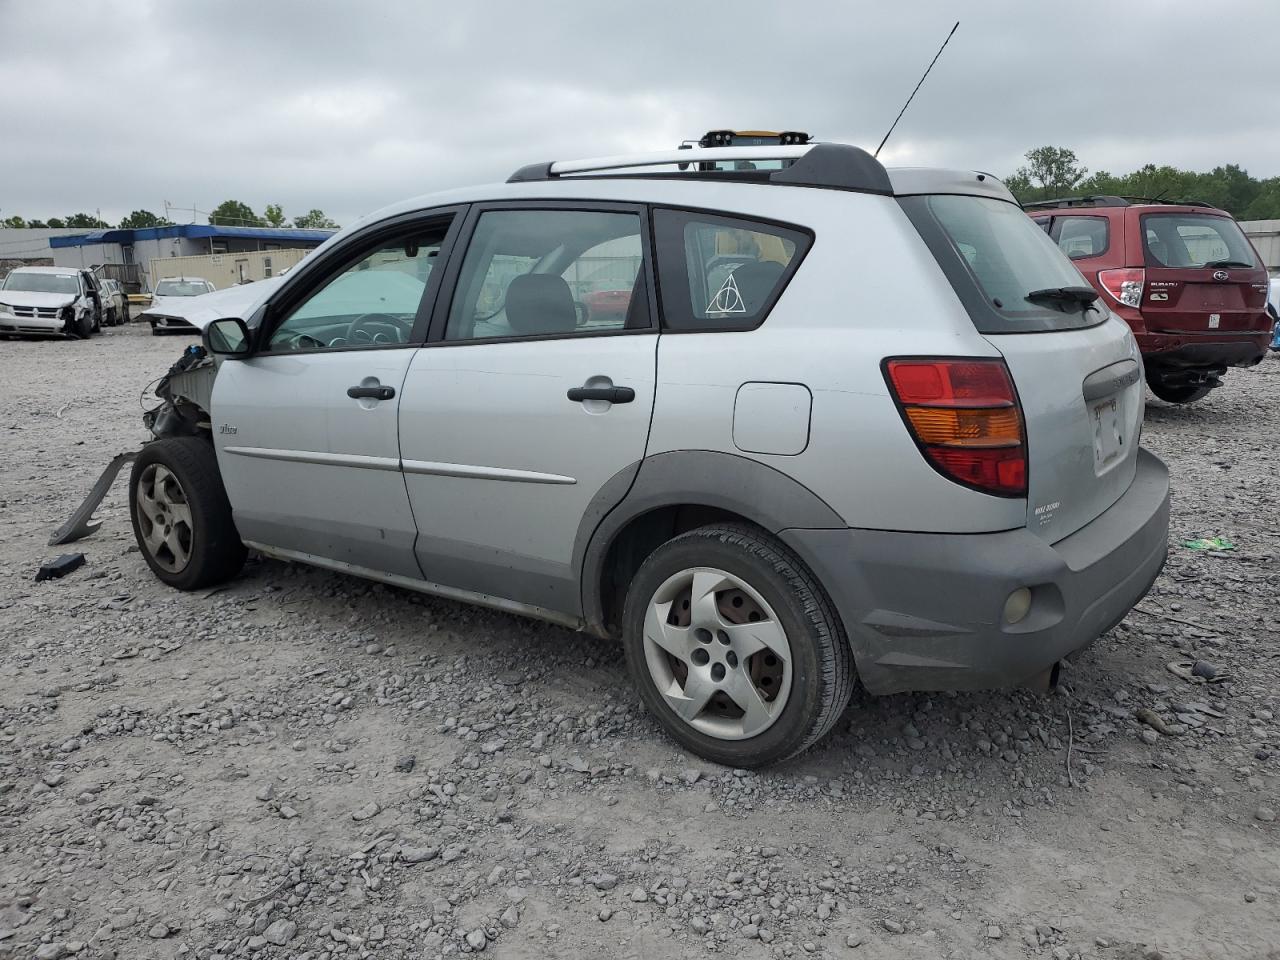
(1180, 393)
(181, 515)
(734, 646)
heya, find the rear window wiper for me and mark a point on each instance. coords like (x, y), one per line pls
(1085, 295)
(1227, 263)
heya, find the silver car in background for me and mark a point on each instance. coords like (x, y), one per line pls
(844, 423)
(169, 301)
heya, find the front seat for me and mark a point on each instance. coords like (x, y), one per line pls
(540, 303)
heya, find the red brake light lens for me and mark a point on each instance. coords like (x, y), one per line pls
(1124, 286)
(964, 416)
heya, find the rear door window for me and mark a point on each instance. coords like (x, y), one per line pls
(1194, 240)
(722, 273)
(1081, 237)
(995, 256)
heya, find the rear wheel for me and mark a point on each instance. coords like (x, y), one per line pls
(181, 515)
(734, 646)
(1176, 393)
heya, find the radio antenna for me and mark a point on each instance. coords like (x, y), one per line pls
(917, 89)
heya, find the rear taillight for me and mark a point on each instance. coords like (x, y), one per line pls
(1124, 286)
(964, 415)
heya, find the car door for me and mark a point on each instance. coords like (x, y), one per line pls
(526, 411)
(306, 427)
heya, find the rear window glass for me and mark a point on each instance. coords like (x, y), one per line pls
(995, 255)
(1081, 237)
(1195, 240)
(722, 273)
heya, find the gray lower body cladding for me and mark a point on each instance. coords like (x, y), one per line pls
(926, 611)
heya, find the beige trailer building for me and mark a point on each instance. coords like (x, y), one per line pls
(226, 269)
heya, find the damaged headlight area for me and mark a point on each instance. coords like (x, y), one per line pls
(184, 392)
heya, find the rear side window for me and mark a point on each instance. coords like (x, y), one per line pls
(995, 256)
(1081, 237)
(1194, 240)
(722, 273)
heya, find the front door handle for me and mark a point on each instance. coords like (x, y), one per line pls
(377, 392)
(608, 394)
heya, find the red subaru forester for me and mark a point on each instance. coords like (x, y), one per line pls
(1182, 275)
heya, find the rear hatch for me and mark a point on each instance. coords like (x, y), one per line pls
(1075, 365)
(1203, 276)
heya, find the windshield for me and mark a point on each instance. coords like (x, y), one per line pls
(41, 282)
(182, 288)
(1194, 240)
(1008, 273)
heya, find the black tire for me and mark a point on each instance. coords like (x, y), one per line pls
(84, 327)
(216, 553)
(156, 331)
(822, 662)
(1176, 394)
(97, 322)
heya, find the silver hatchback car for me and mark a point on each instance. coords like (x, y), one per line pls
(777, 418)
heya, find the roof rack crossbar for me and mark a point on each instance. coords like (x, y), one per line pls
(837, 166)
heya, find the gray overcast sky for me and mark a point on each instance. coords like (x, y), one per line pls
(347, 106)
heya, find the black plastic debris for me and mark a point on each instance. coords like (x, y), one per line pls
(60, 567)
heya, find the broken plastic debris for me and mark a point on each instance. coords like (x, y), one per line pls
(1209, 543)
(60, 567)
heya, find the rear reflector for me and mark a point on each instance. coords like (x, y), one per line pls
(964, 416)
(1124, 286)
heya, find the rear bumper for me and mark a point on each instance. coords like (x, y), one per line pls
(925, 611)
(1179, 352)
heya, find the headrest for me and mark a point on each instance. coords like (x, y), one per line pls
(540, 303)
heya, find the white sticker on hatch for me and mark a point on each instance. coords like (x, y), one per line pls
(1214, 320)
(1045, 512)
(727, 298)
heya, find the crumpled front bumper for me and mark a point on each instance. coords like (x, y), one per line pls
(36, 326)
(160, 321)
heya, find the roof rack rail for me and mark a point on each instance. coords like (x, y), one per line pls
(835, 166)
(1101, 200)
(1107, 200)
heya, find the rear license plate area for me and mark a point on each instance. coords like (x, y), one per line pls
(1108, 433)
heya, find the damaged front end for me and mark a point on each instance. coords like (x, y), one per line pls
(185, 393)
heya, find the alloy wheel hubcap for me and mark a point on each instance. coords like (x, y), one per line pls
(717, 653)
(164, 518)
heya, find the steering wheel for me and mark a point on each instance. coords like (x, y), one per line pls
(380, 319)
(304, 341)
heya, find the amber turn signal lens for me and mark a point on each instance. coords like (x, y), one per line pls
(957, 427)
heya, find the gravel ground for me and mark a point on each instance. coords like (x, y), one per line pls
(311, 766)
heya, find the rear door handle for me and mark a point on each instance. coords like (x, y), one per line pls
(608, 394)
(371, 393)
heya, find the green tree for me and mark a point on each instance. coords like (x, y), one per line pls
(274, 215)
(57, 223)
(1266, 205)
(233, 213)
(84, 220)
(37, 224)
(140, 219)
(13, 223)
(315, 220)
(1051, 171)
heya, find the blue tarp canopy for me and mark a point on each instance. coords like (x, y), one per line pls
(193, 231)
